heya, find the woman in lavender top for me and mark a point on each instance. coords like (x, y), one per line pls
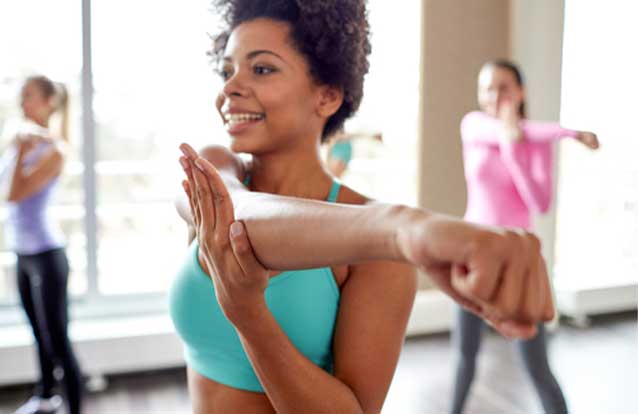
(42, 266)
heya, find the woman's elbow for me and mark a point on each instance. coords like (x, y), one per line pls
(15, 196)
(542, 206)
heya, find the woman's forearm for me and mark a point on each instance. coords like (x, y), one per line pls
(537, 131)
(310, 233)
(315, 233)
(292, 382)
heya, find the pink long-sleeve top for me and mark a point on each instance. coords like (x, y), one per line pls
(507, 182)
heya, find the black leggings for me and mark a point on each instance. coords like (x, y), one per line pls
(42, 280)
(467, 340)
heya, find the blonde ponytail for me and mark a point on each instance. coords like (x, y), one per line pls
(62, 106)
(60, 95)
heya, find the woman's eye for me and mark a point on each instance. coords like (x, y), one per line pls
(262, 70)
(224, 74)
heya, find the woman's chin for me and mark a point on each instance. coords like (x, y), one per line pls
(240, 146)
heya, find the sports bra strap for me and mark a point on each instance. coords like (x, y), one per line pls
(334, 191)
(332, 197)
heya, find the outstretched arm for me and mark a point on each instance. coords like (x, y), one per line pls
(479, 127)
(275, 223)
(487, 270)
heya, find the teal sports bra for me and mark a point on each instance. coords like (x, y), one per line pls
(305, 303)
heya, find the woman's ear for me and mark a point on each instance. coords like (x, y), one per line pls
(330, 100)
(52, 104)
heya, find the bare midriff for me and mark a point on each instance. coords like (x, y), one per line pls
(210, 397)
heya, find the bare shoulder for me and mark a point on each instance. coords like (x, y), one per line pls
(224, 159)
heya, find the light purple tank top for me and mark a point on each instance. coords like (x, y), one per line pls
(30, 228)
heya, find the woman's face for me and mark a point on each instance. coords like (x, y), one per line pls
(497, 85)
(269, 101)
(34, 105)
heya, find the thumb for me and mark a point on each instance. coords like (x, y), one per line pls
(243, 250)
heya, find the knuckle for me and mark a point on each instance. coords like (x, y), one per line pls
(534, 241)
(220, 240)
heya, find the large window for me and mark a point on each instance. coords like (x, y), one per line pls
(44, 37)
(153, 88)
(597, 211)
(390, 105)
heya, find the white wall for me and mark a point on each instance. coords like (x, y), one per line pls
(537, 43)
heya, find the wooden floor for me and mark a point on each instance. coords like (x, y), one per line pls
(597, 367)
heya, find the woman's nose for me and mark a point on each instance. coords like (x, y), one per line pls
(234, 86)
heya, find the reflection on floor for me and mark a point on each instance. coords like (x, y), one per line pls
(597, 367)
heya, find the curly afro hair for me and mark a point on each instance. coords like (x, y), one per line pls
(333, 35)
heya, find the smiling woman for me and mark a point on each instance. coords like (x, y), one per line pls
(325, 339)
(283, 91)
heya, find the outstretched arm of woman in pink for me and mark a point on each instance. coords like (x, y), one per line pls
(478, 127)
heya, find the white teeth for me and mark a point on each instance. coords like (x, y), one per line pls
(237, 118)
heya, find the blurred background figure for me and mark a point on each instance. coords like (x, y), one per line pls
(509, 174)
(34, 163)
(340, 149)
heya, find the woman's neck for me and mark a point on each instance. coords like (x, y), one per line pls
(298, 173)
(44, 123)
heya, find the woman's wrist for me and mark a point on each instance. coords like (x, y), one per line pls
(413, 223)
(248, 315)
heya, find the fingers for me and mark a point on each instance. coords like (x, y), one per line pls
(243, 250)
(507, 278)
(535, 296)
(189, 196)
(442, 276)
(589, 139)
(224, 213)
(515, 276)
(188, 169)
(209, 200)
(204, 200)
(190, 155)
(548, 311)
(515, 330)
(481, 280)
(189, 152)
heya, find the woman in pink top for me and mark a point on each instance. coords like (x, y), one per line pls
(509, 174)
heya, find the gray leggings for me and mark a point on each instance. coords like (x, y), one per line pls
(467, 340)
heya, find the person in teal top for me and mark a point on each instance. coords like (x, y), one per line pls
(340, 151)
(339, 157)
(295, 295)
